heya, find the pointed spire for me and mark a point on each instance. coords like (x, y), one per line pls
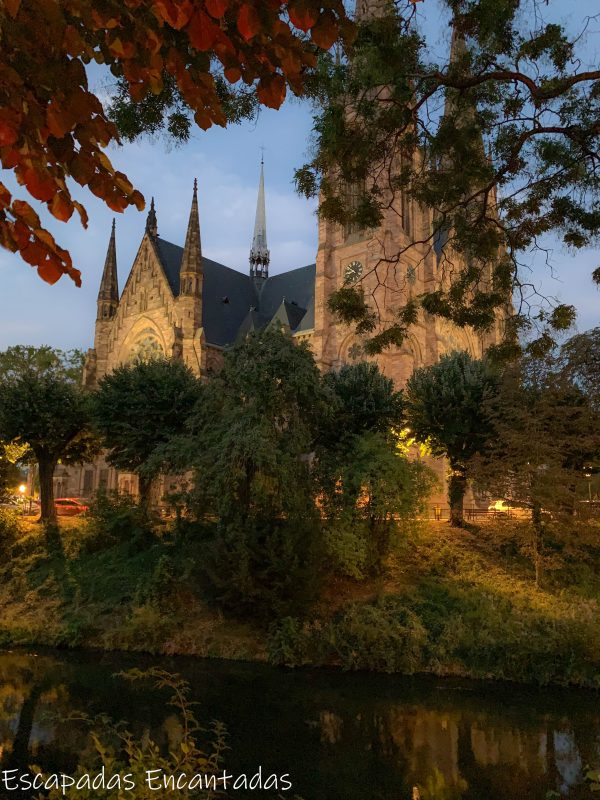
(458, 50)
(108, 295)
(151, 221)
(259, 252)
(191, 261)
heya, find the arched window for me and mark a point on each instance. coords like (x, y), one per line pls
(146, 347)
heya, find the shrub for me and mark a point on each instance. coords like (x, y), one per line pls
(10, 529)
(115, 518)
(264, 569)
(347, 548)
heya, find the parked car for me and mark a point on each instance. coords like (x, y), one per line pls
(70, 506)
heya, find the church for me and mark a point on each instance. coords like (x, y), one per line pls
(178, 303)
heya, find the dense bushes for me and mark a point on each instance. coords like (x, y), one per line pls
(9, 529)
(116, 518)
(263, 569)
(464, 631)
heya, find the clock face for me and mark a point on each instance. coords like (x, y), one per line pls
(353, 271)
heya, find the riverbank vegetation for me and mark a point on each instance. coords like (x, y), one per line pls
(451, 602)
(296, 531)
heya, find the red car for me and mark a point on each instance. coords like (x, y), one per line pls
(69, 506)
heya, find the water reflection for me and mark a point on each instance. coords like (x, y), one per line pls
(341, 737)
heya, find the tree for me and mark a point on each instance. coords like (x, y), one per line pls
(212, 60)
(250, 443)
(579, 361)
(366, 480)
(445, 405)
(364, 400)
(546, 431)
(42, 405)
(137, 410)
(499, 143)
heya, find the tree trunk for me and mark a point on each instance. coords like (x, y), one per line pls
(538, 541)
(145, 487)
(46, 475)
(457, 486)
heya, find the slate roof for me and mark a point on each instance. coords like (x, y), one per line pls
(231, 305)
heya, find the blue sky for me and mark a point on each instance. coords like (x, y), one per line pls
(227, 163)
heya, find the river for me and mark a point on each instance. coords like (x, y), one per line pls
(339, 736)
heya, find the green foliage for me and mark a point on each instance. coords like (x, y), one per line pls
(445, 630)
(20, 360)
(10, 529)
(579, 360)
(113, 519)
(248, 442)
(365, 400)
(263, 569)
(166, 112)
(446, 411)
(349, 548)
(366, 481)
(115, 750)
(138, 409)
(545, 431)
(10, 474)
(42, 405)
(508, 156)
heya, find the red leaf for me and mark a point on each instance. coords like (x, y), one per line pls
(34, 253)
(233, 74)
(325, 32)
(61, 207)
(25, 212)
(302, 15)
(8, 135)
(12, 6)
(202, 31)
(271, 92)
(50, 271)
(41, 186)
(176, 13)
(5, 196)
(248, 22)
(216, 8)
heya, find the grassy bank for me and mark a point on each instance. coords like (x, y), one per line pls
(452, 602)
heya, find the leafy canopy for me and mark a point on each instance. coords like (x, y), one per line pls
(140, 407)
(209, 60)
(43, 407)
(497, 145)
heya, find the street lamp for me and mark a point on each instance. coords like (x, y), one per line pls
(588, 475)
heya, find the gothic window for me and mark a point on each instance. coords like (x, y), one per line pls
(146, 347)
(353, 193)
(411, 275)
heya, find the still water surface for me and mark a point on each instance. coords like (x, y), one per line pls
(339, 736)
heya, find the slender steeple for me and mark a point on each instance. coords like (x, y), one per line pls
(191, 261)
(151, 221)
(259, 252)
(108, 296)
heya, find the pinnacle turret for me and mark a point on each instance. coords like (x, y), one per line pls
(259, 252)
(151, 221)
(191, 261)
(108, 295)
